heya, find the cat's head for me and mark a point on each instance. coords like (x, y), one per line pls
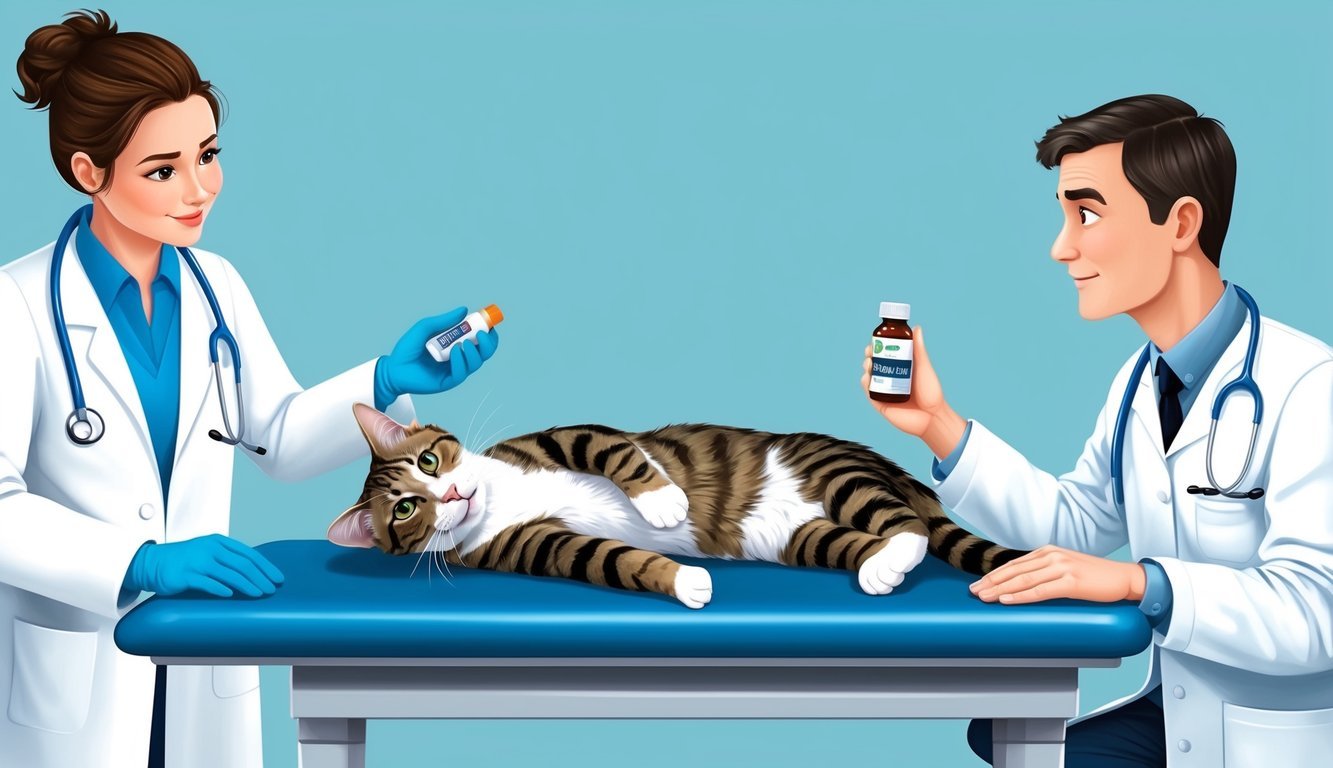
(423, 490)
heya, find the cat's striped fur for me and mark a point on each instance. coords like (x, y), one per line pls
(596, 504)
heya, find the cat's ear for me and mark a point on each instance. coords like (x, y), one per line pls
(352, 529)
(383, 433)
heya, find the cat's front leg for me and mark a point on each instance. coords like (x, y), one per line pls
(663, 507)
(548, 547)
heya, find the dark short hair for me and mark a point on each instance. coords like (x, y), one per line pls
(1171, 151)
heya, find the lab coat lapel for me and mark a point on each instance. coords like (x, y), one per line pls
(1145, 410)
(196, 365)
(92, 340)
(1200, 416)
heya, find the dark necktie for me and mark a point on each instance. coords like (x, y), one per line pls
(1168, 402)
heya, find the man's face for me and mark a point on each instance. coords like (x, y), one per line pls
(1119, 260)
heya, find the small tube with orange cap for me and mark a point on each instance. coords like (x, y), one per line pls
(442, 344)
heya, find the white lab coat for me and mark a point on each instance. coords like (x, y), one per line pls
(1246, 665)
(72, 517)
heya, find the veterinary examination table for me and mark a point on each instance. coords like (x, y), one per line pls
(368, 638)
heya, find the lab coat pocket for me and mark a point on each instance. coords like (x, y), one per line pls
(1255, 738)
(229, 681)
(53, 677)
(1229, 529)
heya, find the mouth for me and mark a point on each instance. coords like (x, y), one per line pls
(1079, 282)
(192, 220)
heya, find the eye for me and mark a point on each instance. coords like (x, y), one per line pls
(428, 462)
(161, 174)
(210, 155)
(404, 509)
(1087, 217)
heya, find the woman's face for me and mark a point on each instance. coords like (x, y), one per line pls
(168, 176)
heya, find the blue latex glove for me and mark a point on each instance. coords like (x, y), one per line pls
(410, 370)
(216, 564)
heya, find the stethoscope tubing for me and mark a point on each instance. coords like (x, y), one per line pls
(1242, 383)
(85, 425)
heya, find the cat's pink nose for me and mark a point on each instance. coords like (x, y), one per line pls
(451, 494)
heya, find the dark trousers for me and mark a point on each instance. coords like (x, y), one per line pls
(1132, 736)
(157, 741)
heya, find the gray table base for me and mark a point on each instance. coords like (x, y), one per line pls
(1029, 699)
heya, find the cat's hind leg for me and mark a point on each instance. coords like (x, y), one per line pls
(862, 499)
(880, 563)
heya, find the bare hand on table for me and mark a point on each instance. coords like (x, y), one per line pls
(1052, 572)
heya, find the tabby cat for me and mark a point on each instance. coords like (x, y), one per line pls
(598, 505)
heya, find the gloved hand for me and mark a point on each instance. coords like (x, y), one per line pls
(410, 370)
(214, 564)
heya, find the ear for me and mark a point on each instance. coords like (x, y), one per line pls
(383, 433)
(1185, 220)
(352, 529)
(85, 172)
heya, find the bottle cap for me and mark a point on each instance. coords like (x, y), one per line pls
(891, 309)
(493, 315)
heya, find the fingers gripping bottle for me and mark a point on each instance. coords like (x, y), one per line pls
(891, 355)
(441, 344)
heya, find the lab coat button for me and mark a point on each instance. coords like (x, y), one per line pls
(1163, 496)
(1179, 692)
(147, 511)
(1184, 745)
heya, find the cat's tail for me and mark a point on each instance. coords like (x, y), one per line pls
(953, 543)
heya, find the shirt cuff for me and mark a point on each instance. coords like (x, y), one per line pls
(941, 469)
(1156, 603)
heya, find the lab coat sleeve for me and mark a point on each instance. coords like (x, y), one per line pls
(306, 431)
(1275, 618)
(1020, 506)
(47, 548)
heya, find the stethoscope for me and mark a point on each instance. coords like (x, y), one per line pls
(1242, 383)
(85, 425)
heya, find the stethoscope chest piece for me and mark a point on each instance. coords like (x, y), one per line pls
(85, 427)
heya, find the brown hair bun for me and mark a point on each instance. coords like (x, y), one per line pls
(51, 50)
(98, 84)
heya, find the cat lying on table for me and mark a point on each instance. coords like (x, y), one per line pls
(600, 505)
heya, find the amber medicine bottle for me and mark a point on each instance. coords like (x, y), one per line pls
(891, 355)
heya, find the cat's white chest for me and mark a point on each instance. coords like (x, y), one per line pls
(588, 504)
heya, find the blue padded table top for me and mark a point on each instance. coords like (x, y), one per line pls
(362, 603)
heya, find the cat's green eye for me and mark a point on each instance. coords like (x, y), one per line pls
(404, 509)
(428, 462)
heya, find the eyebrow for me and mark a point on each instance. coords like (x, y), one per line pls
(1086, 193)
(174, 155)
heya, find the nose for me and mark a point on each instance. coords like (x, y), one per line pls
(451, 495)
(1065, 247)
(194, 192)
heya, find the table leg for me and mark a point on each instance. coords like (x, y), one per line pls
(1034, 742)
(329, 742)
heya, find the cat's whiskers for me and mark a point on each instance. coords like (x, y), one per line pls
(423, 554)
(495, 434)
(482, 427)
(468, 435)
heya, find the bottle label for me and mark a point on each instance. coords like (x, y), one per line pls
(890, 366)
(453, 334)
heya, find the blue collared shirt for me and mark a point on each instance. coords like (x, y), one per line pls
(1192, 359)
(152, 350)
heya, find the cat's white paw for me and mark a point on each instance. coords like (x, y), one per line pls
(694, 586)
(885, 569)
(664, 507)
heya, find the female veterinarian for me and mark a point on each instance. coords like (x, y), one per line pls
(132, 366)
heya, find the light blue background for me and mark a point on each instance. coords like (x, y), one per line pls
(690, 211)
